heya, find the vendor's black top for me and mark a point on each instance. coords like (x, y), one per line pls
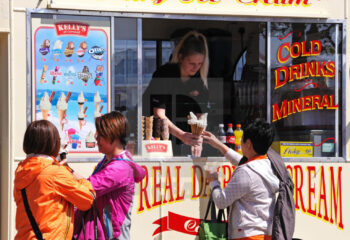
(166, 90)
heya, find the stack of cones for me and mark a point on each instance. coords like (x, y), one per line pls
(156, 128)
(149, 127)
(143, 127)
(165, 129)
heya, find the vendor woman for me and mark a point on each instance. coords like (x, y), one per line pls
(180, 87)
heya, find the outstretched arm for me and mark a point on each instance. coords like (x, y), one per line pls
(185, 137)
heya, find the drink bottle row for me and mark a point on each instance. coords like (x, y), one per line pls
(232, 138)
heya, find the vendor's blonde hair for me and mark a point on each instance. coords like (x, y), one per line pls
(193, 43)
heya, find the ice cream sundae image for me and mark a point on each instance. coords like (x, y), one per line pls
(45, 47)
(68, 52)
(81, 117)
(99, 73)
(62, 106)
(82, 49)
(45, 104)
(97, 100)
(81, 101)
(197, 125)
(90, 141)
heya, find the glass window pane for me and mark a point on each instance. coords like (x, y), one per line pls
(230, 96)
(125, 85)
(304, 98)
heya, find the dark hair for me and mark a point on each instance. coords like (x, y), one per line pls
(112, 126)
(42, 137)
(261, 134)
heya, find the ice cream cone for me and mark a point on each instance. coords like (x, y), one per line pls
(61, 116)
(193, 128)
(81, 123)
(148, 133)
(199, 131)
(45, 114)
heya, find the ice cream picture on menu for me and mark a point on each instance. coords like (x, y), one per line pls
(57, 49)
(62, 106)
(45, 104)
(97, 112)
(90, 141)
(81, 117)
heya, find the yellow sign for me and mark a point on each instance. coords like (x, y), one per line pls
(294, 149)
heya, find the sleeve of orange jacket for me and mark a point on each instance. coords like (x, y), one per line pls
(78, 192)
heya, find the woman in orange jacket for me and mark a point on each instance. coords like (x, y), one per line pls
(52, 190)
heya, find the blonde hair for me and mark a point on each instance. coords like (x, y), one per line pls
(193, 43)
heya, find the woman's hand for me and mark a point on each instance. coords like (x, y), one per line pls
(210, 139)
(211, 175)
(191, 139)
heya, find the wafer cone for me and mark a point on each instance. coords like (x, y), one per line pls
(45, 114)
(148, 133)
(81, 123)
(61, 116)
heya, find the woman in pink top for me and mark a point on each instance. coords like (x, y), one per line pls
(113, 180)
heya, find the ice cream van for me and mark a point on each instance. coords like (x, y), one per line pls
(285, 61)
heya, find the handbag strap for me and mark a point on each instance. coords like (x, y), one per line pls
(211, 206)
(34, 224)
(95, 214)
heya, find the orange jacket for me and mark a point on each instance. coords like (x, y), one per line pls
(52, 193)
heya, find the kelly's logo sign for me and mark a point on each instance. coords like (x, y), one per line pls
(72, 28)
(156, 147)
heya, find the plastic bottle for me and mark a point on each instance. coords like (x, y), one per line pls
(230, 137)
(238, 132)
(221, 133)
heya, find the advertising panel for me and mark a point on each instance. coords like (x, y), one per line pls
(283, 8)
(306, 83)
(70, 78)
(172, 199)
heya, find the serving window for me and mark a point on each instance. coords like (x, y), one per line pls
(288, 73)
(292, 79)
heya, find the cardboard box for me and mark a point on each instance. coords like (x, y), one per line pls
(293, 149)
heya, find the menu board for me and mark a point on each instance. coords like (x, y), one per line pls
(71, 78)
